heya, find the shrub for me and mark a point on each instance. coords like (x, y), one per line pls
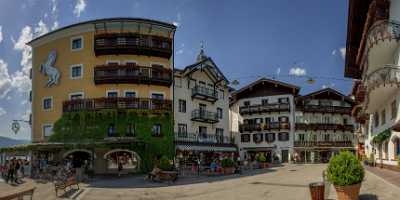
(345, 169)
(165, 164)
(261, 158)
(227, 163)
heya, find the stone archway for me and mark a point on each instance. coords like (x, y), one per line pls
(130, 160)
(72, 151)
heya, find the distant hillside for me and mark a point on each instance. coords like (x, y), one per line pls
(5, 142)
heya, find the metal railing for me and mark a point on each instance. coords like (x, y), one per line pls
(205, 91)
(199, 114)
(325, 109)
(264, 126)
(389, 74)
(323, 143)
(323, 126)
(202, 138)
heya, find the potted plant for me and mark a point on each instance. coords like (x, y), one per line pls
(262, 161)
(165, 164)
(227, 165)
(346, 173)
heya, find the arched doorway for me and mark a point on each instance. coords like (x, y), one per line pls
(130, 160)
(79, 157)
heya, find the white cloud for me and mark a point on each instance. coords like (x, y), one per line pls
(278, 71)
(53, 5)
(41, 29)
(79, 7)
(2, 111)
(343, 52)
(334, 52)
(55, 25)
(331, 85)
(180, 51)
(297, 71)
(1, 34)
(5, 80)
(179, 16)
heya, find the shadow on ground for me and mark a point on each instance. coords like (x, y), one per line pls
(138, 181)
(368, 197)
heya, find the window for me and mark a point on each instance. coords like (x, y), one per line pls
(76, 43)
(326, 119)
(76, 72)
(182, 106)
(111, 130)
(182, 130)
(219, 113)
(112, 62)
(130, 130)
(47, 130)
(301, 137)
(157, 96)
(75, 96)
(203, 132)
(270, 137)
(112, 94)
(283, 119)
(219, 134)
(47, 103)
(394, 109)
(131, 94)
(376, 119)
(130, 63)
(383, 117)
(245, 137)
(246, 103)
(264, 102)
(156, 130)
(327, 137)
(258, 137)
(283, 100)
(221, 94)
(283, 136)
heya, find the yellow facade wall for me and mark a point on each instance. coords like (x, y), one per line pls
(66, 85)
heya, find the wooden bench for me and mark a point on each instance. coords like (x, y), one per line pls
(19, 194)
(63, 185)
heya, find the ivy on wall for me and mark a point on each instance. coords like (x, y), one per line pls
(92, 127)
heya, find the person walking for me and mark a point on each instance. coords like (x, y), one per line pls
(120, 166)
(11, 171)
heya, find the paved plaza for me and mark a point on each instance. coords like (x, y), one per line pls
(287, 182)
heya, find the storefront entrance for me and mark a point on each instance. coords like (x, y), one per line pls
(130, 160)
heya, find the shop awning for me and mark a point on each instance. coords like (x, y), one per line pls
(205, 148)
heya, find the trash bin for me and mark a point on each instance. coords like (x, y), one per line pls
(317, 190)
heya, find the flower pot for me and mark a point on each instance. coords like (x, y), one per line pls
(228, 170)
(263, 165)
(317, 190)
(348, 192)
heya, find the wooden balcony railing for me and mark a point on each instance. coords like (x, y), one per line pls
(132, 43)
(360, 93)
(323, 144)
(322, 126)
(117, 103)
(204, 116)
(388, 75)
(203, 139)
(111, 74)
(324, 109)
(264, 126)
(205, 93)
(278, 107)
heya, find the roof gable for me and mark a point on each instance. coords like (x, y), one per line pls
(207, 66)
(328, 93)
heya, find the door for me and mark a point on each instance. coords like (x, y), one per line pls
(202, 110)
(285, 156)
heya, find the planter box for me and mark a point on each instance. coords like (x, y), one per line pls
(228, 170)
(264, 165)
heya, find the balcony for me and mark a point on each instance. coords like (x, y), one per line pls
(381, 85)
(324, 109)
(116, 74)
(204, 93)
(265, 126)
(325, 127)
(360, 93)
(203, 139)
(132, 44)
(266, 108)
(323, 144)
(95, 104)
(204, 116)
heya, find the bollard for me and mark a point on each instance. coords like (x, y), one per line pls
(317, 190)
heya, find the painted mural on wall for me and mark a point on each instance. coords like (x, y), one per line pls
(48, 69)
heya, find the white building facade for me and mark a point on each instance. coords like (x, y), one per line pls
(323, 126)
(201, 111)
(373, 60)
(262, 118)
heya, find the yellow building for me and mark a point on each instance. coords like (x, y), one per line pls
(102, 82)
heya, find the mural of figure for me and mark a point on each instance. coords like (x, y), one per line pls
(49, 69)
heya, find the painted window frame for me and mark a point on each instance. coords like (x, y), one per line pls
(134, 91)
(155, 92)
(76, 93)
(70, 71)
(51, 105)
(108, 91)
(82, 43)
(43, 130)
(113, 61)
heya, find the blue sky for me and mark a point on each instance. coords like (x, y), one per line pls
(246, 39)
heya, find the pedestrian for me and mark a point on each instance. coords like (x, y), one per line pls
(22, 167)
(11, 170)
(120, 166)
